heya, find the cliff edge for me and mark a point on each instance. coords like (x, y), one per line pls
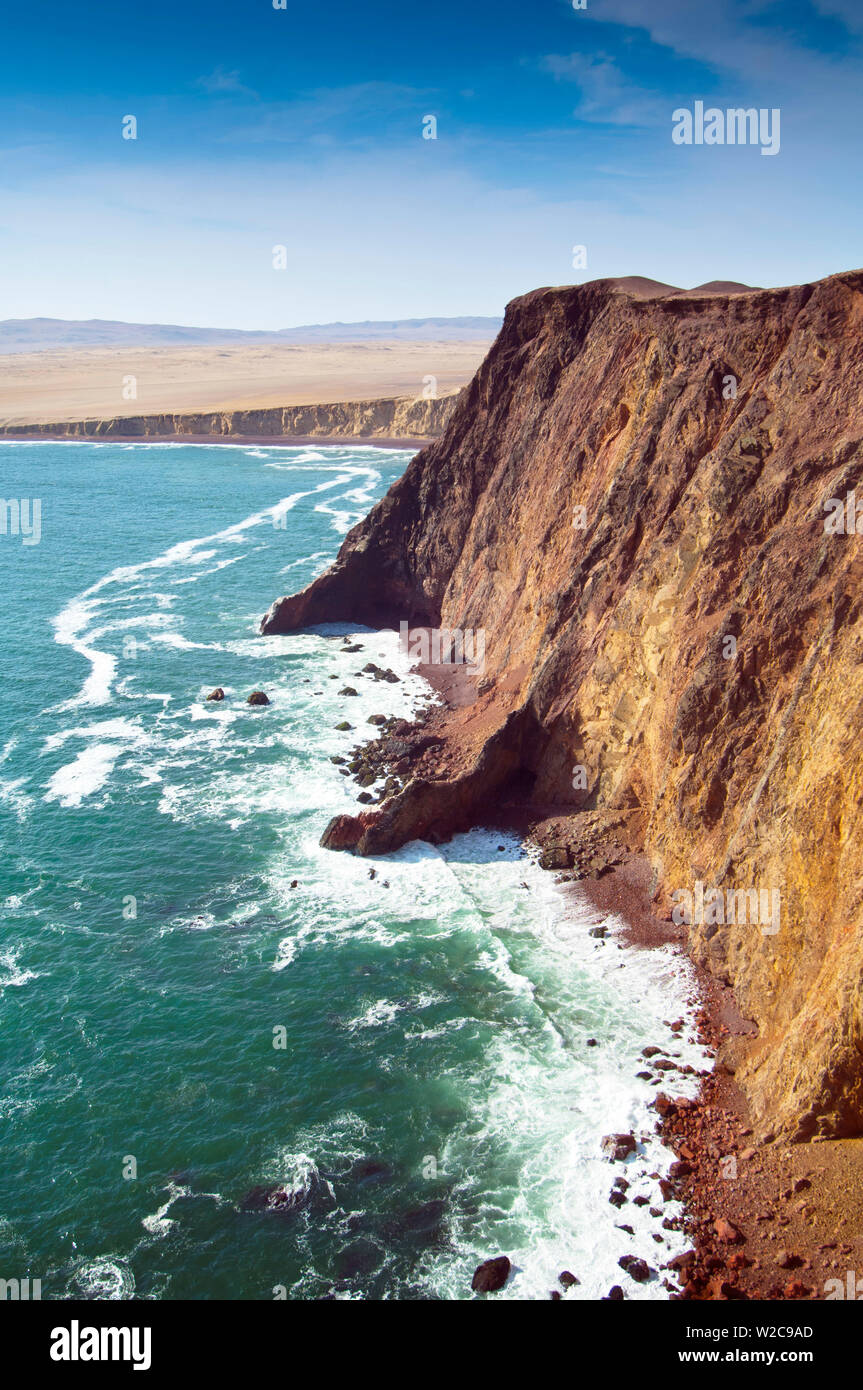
(645, 501)
(388, 417)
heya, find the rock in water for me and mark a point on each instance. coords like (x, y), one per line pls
(637, 1269)
(217, 694)
(618, 1146)
(258, 697)
(491, 1275)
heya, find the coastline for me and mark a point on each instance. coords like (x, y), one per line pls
(762, 1219)
(285, 441)
(767, 1221)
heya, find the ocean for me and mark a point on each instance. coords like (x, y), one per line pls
(403, 1056)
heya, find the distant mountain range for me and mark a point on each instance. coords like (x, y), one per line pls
(34, 335)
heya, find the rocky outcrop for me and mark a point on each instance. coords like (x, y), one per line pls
(491, 1275)
(390, 418)
(631, 501)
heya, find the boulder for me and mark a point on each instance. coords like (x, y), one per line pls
(258, 697)
(726, 1231)
(786, 1260)
(637, 1269)
(217, 694)
(618, 1146)
(491, 1275)
(555, 857)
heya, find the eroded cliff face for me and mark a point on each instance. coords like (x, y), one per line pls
(702, 438)
(395, 418)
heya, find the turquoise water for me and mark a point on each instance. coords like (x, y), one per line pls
(434, 1101)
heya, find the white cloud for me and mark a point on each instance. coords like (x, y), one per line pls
(606, 94)
(221, 81)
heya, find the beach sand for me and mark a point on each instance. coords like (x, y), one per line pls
(86, 383)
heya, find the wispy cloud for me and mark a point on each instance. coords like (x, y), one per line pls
(607, 95)
(220, 81)
(338, 114)
(848, 12)
(753, 39)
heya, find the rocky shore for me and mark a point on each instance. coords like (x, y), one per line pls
(629, 502)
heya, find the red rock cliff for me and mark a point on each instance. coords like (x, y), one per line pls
(701, 436)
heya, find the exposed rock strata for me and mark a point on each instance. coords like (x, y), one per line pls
(391, 418)
(607, 647)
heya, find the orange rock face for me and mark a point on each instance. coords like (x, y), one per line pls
(649, 507)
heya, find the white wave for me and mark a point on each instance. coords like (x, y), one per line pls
(13, 794)
(129, 729)
(211, 569)
(12, 975)
(68, 628)
(181, 643)
(159, 1223)
(71, 784)
(74, 625)
(108, 1277)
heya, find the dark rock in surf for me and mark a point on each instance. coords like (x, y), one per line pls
(617, 1146)
(637, 1269)
(491, 1275)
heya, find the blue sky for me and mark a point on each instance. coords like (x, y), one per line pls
(303, 127)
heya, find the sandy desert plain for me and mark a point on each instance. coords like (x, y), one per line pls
(83, 383)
